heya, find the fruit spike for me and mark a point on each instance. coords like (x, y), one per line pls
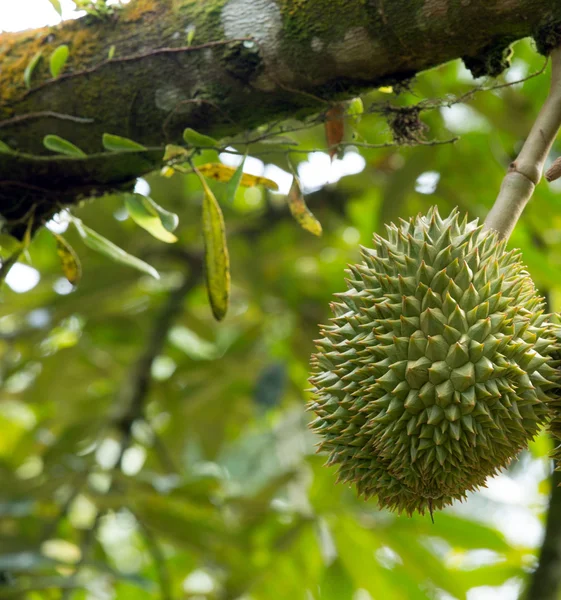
(437, 368)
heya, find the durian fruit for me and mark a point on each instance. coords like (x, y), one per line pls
(435, 370)
(554, 403)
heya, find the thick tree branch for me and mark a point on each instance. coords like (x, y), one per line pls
(251, 61)
(526, 171)
(301, 53)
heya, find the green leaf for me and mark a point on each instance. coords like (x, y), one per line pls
(97, 242)
(9, 243)
(143, 213)
(217, 261)
(459, 532)
(422, 563)
(193, 345)
(111, 52)
(193, 138)
(116, 143)
(356, 547)
(62, 146)
(336, 583)
(492, 575)
(173, 151)
(56, 5)
(4, 148)
(190, 34)
(232, 186)
(169, 219)
(58, 60)
(355, 109)
(28, 73)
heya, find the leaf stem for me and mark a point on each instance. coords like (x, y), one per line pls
(526, 171)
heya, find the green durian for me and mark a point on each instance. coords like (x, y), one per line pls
(555, 396)
(435, 371)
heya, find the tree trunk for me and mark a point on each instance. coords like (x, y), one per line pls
(249, 62)
(545, 583)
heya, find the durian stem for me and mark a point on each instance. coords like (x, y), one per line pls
(525, 172)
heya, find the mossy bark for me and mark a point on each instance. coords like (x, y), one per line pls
(250, 61)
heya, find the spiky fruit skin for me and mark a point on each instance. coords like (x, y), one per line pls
(554, 395)
(434, 371)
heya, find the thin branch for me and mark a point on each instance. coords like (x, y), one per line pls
(42, 115)
(526, 171)
(132, 400)
(158, 557)
(432, 104)
(164, 456)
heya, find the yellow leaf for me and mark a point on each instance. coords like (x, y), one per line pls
(386, 89)
(69, 260)
(224, 173)
(217, 261)
(167, 172)
(302, 214)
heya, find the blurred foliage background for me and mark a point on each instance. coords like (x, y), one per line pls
(147, 451)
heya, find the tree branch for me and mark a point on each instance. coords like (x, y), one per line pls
(303, 54)
(132, 399)
(131, 402)
(546, 579)
(158, 557)
(526, 171)
(250, 63)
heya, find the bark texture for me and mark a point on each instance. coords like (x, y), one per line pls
(250, 61)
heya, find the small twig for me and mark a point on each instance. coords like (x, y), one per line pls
(44, 114)
(526, 171)
(431, 104)
(554, 172)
